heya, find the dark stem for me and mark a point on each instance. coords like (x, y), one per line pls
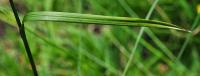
(24, 39)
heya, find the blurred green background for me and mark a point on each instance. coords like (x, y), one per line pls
(74, 49)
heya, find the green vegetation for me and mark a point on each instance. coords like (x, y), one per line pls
(101, 38)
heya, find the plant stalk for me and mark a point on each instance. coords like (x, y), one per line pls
(23, 36)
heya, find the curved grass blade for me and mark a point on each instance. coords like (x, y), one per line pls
(10, 20)
(97, 19)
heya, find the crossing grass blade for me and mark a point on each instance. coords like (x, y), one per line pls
(97, 19)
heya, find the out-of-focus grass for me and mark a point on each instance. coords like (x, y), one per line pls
(104, 49)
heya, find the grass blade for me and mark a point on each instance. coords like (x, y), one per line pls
(127, 8)
(96, 19)
(138, 39)
(78, 4)
(189, 36)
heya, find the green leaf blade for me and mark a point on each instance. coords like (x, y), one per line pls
(97, 19)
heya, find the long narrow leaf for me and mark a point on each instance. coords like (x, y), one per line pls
(96, 19)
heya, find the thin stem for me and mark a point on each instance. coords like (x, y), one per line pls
(78, 6)
(138, 38)
(124, 4)
(189, 36)
(24, 39)
(132, 53)
(148, 31)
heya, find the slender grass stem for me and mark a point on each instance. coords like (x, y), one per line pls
(162, 13)
(138, 38)
(151, 9)
(79, 56)
(148, 31)
(132, 53)
(24, 39)
(78, 4)
(189, 36)
(127, 8)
